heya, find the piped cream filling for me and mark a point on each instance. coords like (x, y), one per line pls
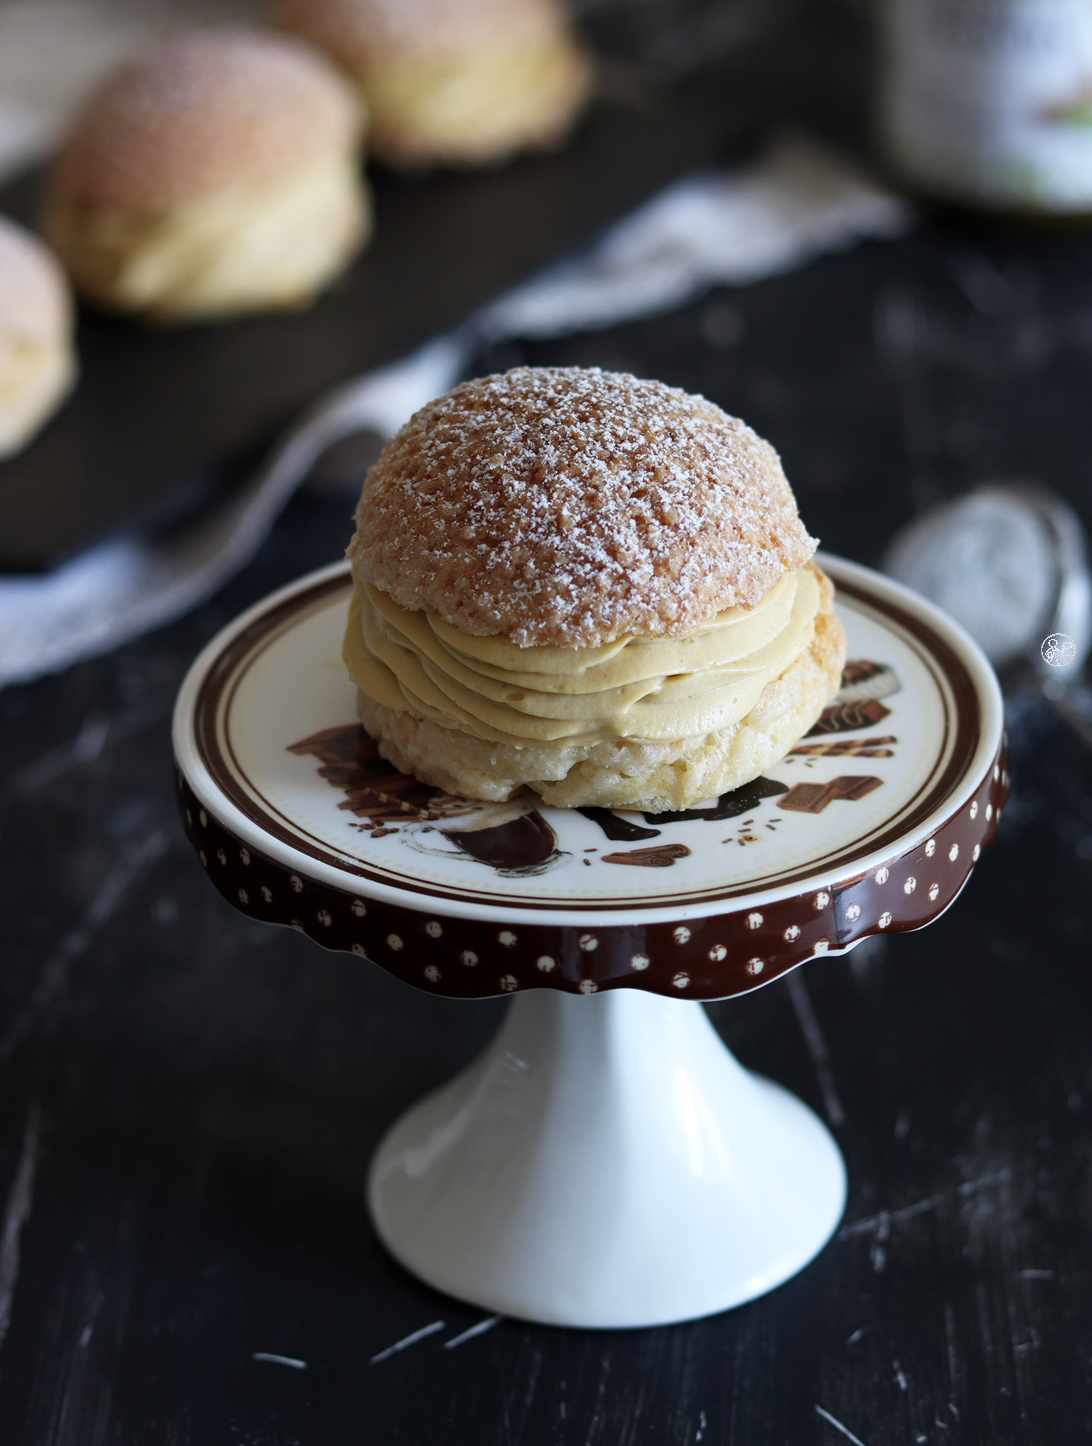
(273, 244)
(639, 688)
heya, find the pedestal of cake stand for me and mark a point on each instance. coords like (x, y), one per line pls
(606, 1162)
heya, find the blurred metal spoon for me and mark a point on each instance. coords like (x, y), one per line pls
(1010, 563)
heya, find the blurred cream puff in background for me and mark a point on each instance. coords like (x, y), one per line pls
(453, 82)
(216, 173)
(37, 361)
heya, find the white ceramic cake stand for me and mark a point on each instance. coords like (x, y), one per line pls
(605, 1162)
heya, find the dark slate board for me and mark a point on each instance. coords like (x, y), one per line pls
(162, 418)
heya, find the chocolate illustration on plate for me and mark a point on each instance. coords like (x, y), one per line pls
(662, 856)
(374, 789)
(728, 805)
(814, 797)
(857, 702)
(616, 828)
(848, 748)
(512, 838)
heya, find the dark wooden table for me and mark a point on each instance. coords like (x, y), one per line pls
(188, 1100)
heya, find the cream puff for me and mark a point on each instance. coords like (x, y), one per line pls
(216, 173)
(37, 360)
(453, 82)
(590, 585)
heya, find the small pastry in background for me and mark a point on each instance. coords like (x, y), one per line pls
(216, 173)
(37, 361)
(453, 82)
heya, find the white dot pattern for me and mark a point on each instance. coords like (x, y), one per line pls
(639, 962)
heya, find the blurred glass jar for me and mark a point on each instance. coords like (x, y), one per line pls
(988, 103)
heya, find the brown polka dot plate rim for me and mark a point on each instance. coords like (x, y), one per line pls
(873, 822)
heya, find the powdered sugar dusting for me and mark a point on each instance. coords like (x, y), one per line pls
(570, 507)
(205, 112)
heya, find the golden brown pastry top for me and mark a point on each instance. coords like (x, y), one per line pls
(35, 305)
(572, 507)
(204, 113)
(358, 31)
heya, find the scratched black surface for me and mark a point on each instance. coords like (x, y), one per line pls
(193, 1098)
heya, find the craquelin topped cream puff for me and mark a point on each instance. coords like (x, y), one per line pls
(216, 173)
(453, 82)
(591, 585)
